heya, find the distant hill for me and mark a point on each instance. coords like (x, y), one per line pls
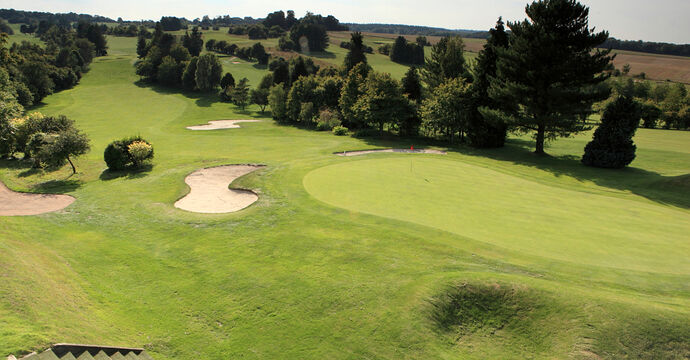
(27, 17)
(415, 30)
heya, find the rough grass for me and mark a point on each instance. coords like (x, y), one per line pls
(294, 277)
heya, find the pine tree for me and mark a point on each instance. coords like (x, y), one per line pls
(612, 145)
(240, 94)
(551, 74)
(142, 49)
(487, 132)
(356, 54)
(447, 61)
(412, 86)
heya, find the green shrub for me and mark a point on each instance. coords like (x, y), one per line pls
(612, 146)
(340, 131)
(115, 156)
(328, 119)
(307, 113)
(129, 152)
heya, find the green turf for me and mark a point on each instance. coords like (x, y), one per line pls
(296, 277)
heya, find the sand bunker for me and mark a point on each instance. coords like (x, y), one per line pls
(15, 203)
(220, 124)
(405, 151)
(209, 190)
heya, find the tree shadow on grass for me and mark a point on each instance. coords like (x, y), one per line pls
(59, 186)
(132, 173)
(668, 190)
(202, 99)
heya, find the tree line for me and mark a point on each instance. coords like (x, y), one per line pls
(535, 78)
(30, 72)
(35, 17)
(415, 30)
(647, 47)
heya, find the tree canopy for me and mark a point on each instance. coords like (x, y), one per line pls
(551, 74)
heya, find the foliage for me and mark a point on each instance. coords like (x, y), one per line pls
(382, 102)
(193, 42)
(277, 100)
(551, 74)
(189, 74)
(447, 61)
(303, 90)
(259, 97)
(139, 151)
(309, 37)
(612, 146)
(487, 132)
(131, 152)
(239, 95)
(448, 109)
(328, 119)
(208, 72)
(259, 53)
(356, 54)
(340, 131)
(257, 31)
(407, 53)
(58, 148)
(351, 91)
(227, 81)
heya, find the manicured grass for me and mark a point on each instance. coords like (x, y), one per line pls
(511, 212)
(295, 277)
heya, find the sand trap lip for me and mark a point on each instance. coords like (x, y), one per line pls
(209, 192)
(14, 203)
(220, 124)
(403, 151)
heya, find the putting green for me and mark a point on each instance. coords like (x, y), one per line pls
(511, 212)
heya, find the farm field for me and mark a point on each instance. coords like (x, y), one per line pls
(343, 257)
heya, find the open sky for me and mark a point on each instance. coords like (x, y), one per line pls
(661, 20)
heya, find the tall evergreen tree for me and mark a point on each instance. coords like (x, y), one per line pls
(412, 88)
(411, 85)
(356, 54)
(142, 49)
(487, 132)
(551, 74)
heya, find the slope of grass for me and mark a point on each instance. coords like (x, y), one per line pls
(293, 277)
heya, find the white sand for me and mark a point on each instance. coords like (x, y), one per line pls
(209, 192)
(15, 203)
(220, 124)
(404, 151)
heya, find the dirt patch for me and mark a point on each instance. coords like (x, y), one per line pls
(403, 151)
(16, 203)
(220, 124)
(209, 192)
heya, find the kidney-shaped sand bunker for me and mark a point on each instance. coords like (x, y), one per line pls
(16, 203)
(210, 194)
(220, 124)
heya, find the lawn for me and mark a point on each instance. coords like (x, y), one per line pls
(342, 258)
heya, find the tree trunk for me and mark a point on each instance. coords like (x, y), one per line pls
(540, 139)
(74, 169)
(380, 129)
